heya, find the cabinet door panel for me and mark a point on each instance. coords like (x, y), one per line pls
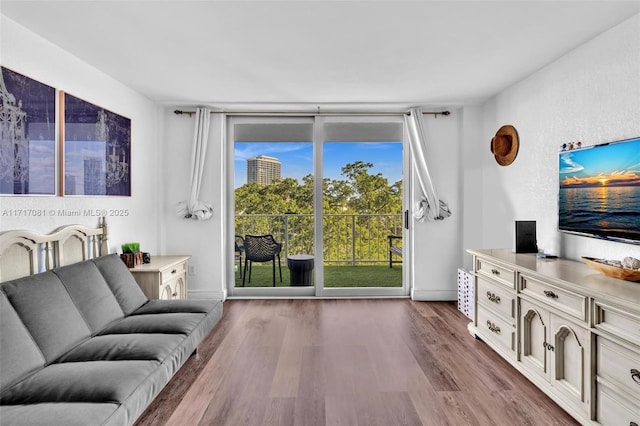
(166, 292)
(180, 288)
(177, 286)
(533, 338)
(570, 358)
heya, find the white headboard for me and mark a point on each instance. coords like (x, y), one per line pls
(25, 253)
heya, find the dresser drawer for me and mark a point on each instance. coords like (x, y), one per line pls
(611, 410)
(496, 329)
(500, 274)
(620, 366)
(173, 271)
(566, 301)
(623, 324)
(496, 298)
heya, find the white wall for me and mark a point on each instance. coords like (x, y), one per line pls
(437, 250)
(29, 54)
(203, 240)
(592, 95)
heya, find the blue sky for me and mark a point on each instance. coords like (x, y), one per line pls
(613, 164)
(296, 158)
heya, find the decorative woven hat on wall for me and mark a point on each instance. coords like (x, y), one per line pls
(505, 144)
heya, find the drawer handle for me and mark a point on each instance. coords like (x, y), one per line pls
(635, 375)
(550, 294)
(495, 272)
(633, 424)
(493, 297)
(547, 346)
(492, 327)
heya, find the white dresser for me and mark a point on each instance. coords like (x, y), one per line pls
(572, 331)
(164, 278)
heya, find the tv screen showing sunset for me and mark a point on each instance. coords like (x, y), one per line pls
(600, 190)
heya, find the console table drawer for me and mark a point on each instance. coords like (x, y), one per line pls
(492, 326)
(174, 271)
(566, 301)
(620, 366)
(500, 274)
(622, 324)
(496, 298)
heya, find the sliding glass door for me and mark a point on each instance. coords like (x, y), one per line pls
(315, 206)
(362, 197)
(272, 206)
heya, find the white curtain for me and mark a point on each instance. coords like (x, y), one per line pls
(193, 208)
(430, 207)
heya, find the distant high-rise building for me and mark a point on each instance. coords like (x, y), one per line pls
(94, 179)
(69, 184)
(263, 169)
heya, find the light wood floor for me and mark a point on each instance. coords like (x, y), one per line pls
(348, 362)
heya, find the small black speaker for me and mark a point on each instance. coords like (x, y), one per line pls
(526, 236)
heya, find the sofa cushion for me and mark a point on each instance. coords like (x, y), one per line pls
(122, 284)
(63, 414)
(46, 309)
(98, 381)
(19, 354)
(116, 347)
(90, 293)
(157, 306)
(155, 323)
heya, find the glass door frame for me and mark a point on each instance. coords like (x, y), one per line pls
(318, 289)
(319, 139)
(253, 292)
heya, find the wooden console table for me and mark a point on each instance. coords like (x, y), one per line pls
(164, 278)
(570, 330)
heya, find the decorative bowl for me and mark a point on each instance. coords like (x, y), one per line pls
(612, 271)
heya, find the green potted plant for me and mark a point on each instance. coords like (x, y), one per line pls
(131, 254)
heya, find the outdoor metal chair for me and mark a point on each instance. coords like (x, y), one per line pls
(239, 250)
(261, 248)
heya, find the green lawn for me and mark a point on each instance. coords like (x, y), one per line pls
(334, 276)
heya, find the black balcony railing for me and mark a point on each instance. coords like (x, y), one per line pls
(348, 238)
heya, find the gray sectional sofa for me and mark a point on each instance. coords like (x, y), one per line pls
(82, 345)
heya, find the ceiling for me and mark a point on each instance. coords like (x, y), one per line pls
(229, 53)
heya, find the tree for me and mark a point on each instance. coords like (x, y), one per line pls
(286, 206)
(371, 194)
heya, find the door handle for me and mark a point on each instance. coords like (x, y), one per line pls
(406, 219)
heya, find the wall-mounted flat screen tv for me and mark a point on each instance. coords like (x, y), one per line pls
(599, 192)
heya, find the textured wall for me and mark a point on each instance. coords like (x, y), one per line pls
(591, 94)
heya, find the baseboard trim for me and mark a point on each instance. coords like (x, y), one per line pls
(207, 294)
(434, 295)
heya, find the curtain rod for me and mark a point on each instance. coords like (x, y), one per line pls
(189, 113)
